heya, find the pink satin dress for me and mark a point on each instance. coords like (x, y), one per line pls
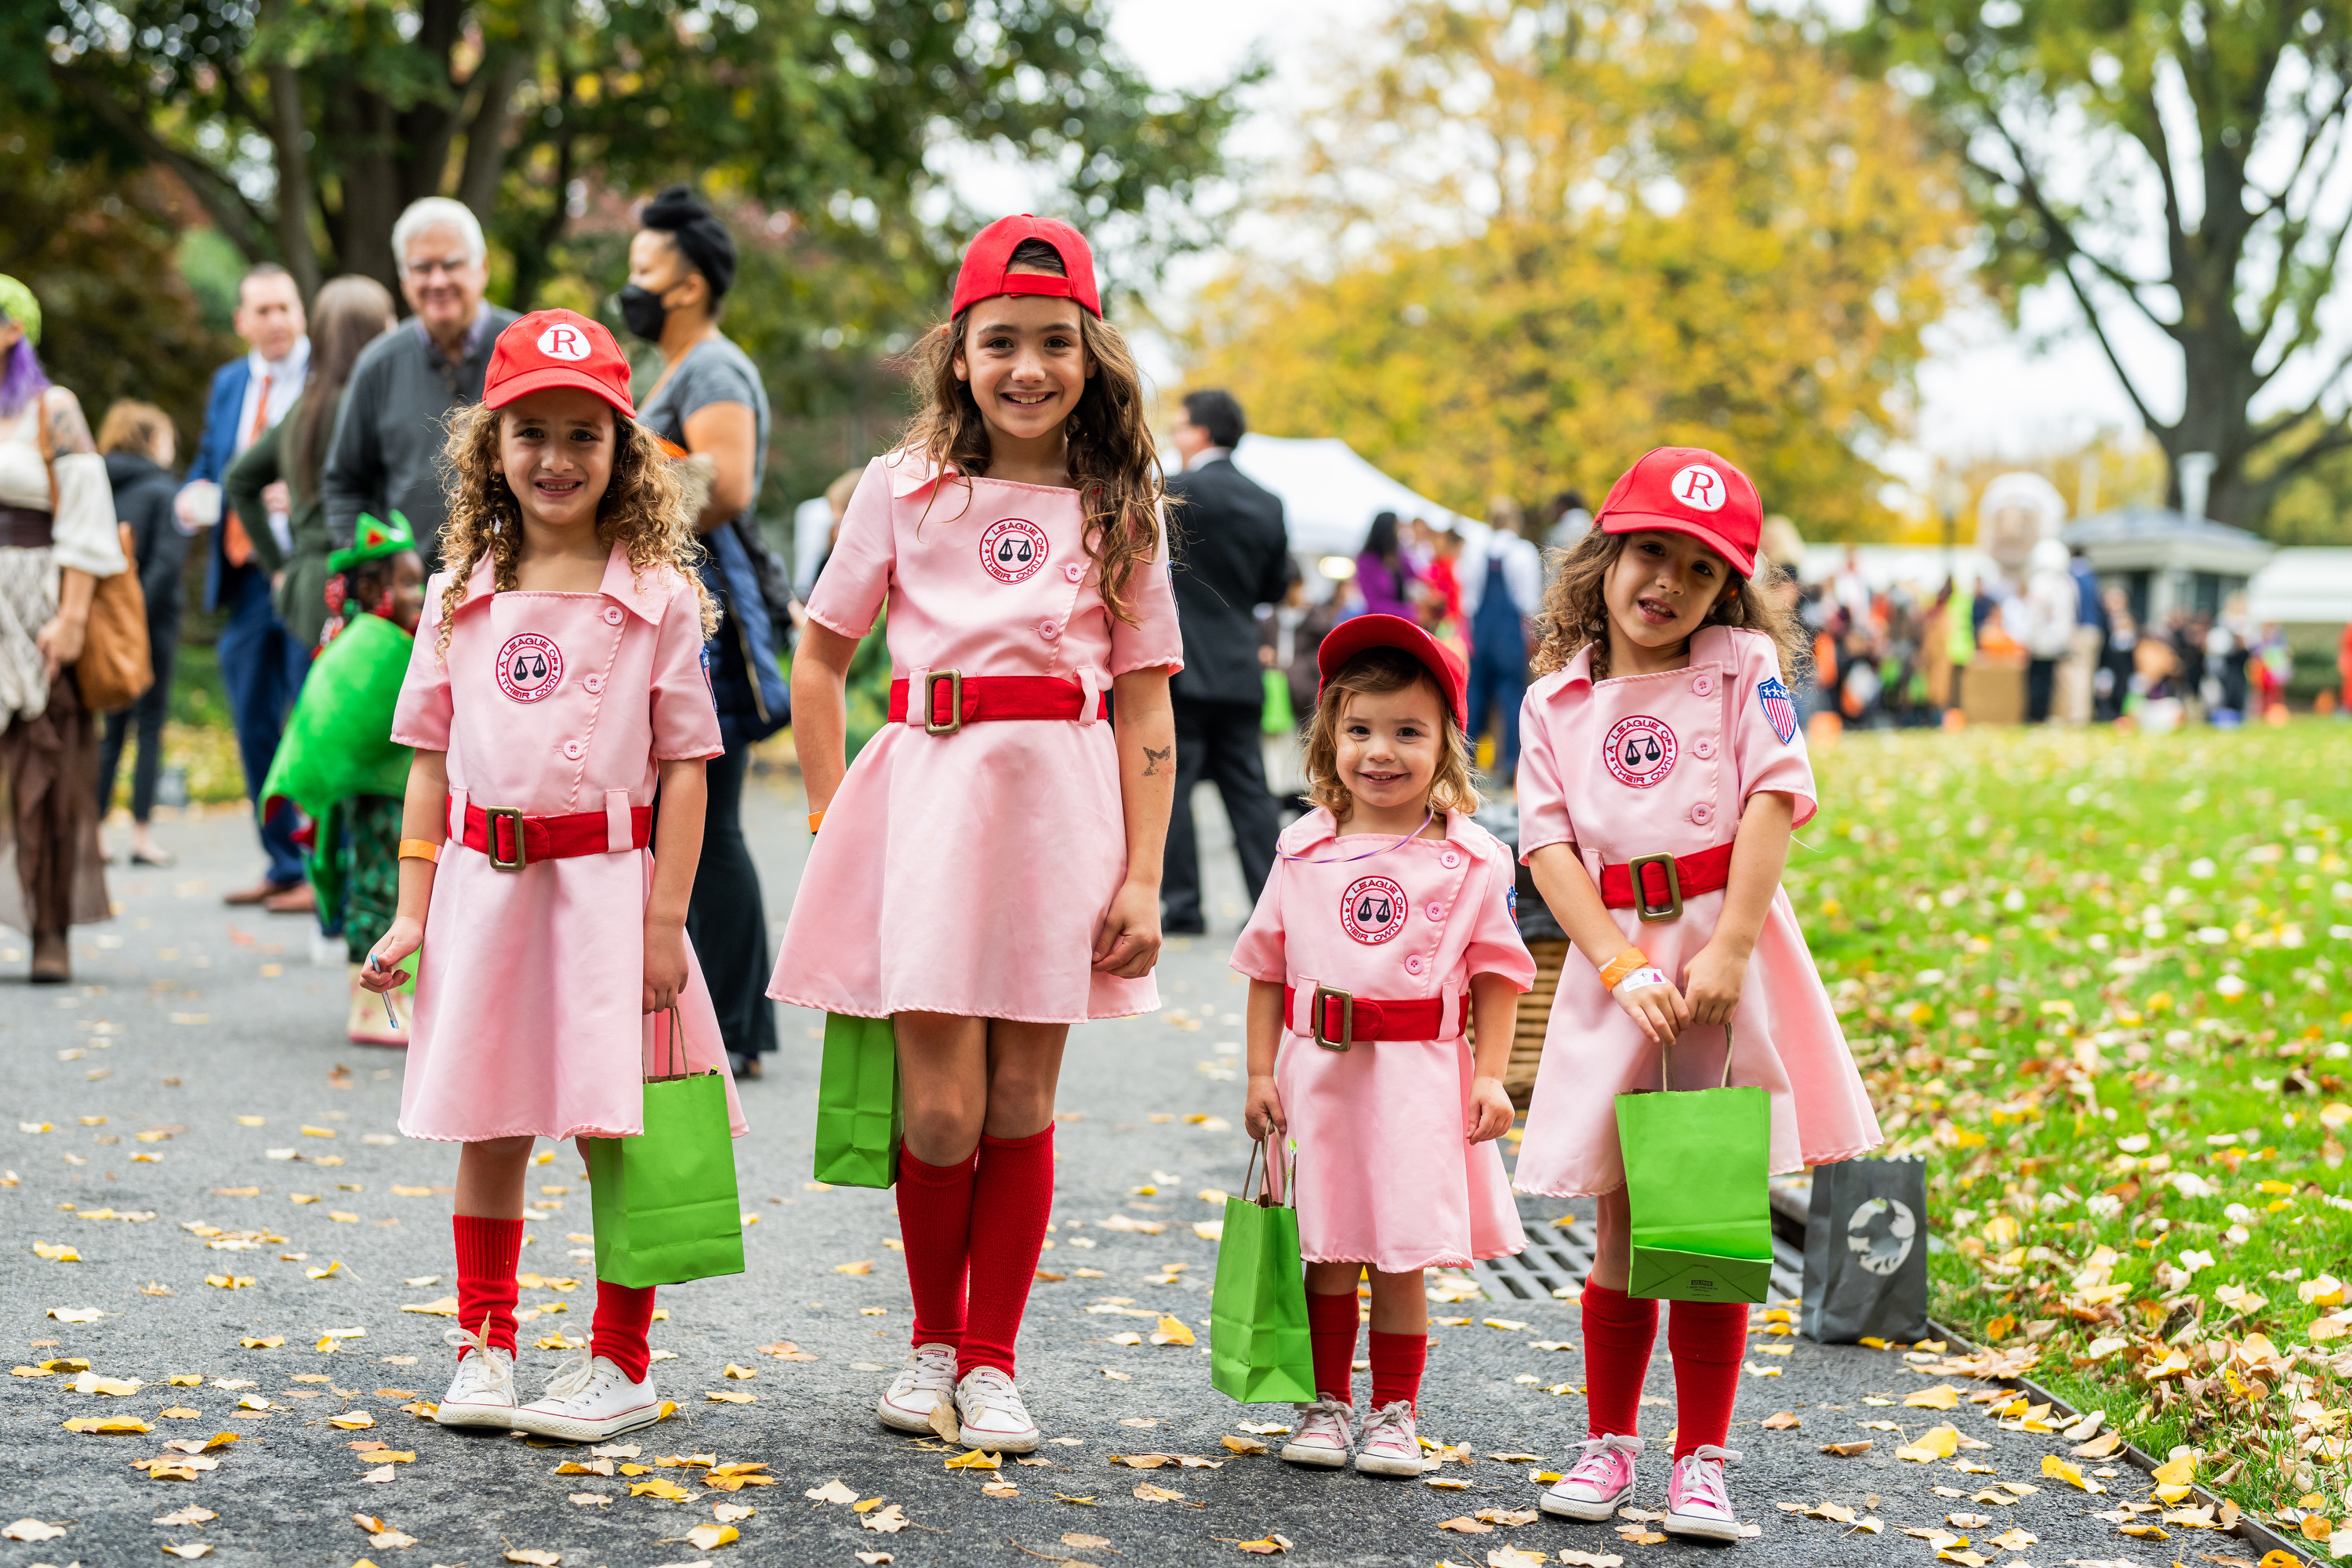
(1646, 765)
(529, 982)
(966, 873)
(1387, 1173)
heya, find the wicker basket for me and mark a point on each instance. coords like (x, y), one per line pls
(1534, 1015)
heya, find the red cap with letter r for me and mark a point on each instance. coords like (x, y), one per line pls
(1689, 490)
(557, 348)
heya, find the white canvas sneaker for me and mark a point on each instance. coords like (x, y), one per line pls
(1327, 1431)
(1391, 1447)
(482, 1392)
(590, 1400)
(927, 1378)
(992, 1415)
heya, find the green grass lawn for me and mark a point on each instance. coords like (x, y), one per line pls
(2098, 980)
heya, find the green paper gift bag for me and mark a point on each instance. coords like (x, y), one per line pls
(665, 1202)
(1258, 1349)
(1695, 1168)
(857, 1103)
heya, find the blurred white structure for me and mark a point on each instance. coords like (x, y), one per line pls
(2303, 586)
(1329, 494)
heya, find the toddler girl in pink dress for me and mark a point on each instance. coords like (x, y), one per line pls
(556, 683)
(1388, 925)
(1015, 538)
(1663, 727)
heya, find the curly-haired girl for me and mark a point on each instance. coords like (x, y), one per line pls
(564, 686)
(1662, 774)
(988, 884)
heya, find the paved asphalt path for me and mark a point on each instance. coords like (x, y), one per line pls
(188, 1020)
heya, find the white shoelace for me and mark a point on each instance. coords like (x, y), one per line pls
(930, 1371)
(1707, 1481)
(990, 1391)
(1596, 1450)
(1388, 1422)
(575, 1378)
(493, 1370)
(1341, 1416)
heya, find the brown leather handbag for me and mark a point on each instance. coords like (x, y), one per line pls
(116, 667)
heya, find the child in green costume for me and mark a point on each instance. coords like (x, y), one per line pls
(337, 762)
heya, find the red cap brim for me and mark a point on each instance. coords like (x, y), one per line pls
(1353, 635)
(541, 380)
(1742, 560)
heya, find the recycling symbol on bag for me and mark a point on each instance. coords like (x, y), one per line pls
(1880, 1233)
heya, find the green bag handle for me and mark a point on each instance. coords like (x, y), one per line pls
(677, 1050)
(1265, 1196)
(1666, 1079)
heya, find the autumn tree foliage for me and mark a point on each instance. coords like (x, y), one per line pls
(1552, 236)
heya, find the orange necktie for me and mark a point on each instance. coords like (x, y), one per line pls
(236, 543)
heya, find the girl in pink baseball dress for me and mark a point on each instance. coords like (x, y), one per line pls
(1015, 537)
(1387, 926)
(557, 683)
(1663, 725)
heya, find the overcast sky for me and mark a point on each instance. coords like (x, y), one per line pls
(1985, 390)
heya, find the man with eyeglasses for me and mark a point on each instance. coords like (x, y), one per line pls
(387, 452)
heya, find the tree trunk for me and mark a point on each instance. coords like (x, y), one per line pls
(291, 137)
(485, 133)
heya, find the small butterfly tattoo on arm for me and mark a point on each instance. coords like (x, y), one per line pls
(1152, 759)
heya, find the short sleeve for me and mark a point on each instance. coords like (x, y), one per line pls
(1155, 638)
(685, 715)
(1262, 954)
(1543, 800)
(1766, 738)
(1496, 946)
(422, 715)
(82, 532)
(856, 581)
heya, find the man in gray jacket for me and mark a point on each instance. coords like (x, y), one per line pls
(387, 452)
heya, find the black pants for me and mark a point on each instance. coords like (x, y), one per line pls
(2041, 680)
(726, 921)
(1219, 742)
(148, 713)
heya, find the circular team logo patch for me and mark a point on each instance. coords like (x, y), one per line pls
(530, 667)
(1640, 750)
(1699, 487)
(1372, 910)
(1014, 551)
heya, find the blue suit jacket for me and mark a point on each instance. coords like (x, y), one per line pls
(215, 450)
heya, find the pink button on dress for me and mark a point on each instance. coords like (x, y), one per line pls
(1645, 764)
(529, 982)
(966, 873)
(1387, 1174)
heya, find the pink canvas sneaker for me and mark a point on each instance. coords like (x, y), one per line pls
(1698, 1506)
(1327, 1430)
(1391, 1447)
(1599, 1484)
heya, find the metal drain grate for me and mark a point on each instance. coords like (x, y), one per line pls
(1558, 1256)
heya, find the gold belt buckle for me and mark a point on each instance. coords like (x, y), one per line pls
(931, 678)
(493, 815)
(1347, 1000)
(1672, 907)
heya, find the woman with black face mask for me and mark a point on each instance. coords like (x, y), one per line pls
(709, 401)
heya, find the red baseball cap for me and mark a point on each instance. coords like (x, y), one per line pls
(1353, 635)
(987, 261)
(557, 348)
(1689, 490)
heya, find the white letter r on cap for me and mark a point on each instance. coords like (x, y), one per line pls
(565, 342)
(1699, 487)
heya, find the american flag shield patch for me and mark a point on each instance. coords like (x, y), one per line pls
(1779, 709)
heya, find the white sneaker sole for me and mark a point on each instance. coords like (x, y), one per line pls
(1692, 1527)
(901, 1419)
(573, 1428)
(1577, 1507)
(997, 1442)
(1368, 1463)
(498, 1415)
(1316, 1456)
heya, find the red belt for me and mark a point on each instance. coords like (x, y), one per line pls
(955, 700)
(1656, 885)
(512, 840)
(1340, 1018)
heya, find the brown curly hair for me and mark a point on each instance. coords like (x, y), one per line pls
(1576, 610)
(1375, 672)
(644, 507)
(1113, 461)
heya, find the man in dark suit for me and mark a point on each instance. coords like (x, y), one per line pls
(1230, 560)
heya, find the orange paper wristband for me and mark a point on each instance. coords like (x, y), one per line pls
(1623, 964)
(419, 849)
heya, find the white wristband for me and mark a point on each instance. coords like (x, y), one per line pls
(1647, 976)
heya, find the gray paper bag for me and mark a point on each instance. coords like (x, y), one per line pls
(1866, 1252)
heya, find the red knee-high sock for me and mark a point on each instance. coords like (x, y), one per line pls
(1397, 1362)
(1331, 1322)
(1015, 1188)
(1707, 1340)
(935, 1222)
(1619, 1331)
(487, 1252)
(617, 1332)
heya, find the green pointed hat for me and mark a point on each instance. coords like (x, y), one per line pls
(373, 541)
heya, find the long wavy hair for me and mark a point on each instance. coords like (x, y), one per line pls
(1576, 609)
(1375, 672)
(348, 314)
(1112, 460)
(644, 509)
